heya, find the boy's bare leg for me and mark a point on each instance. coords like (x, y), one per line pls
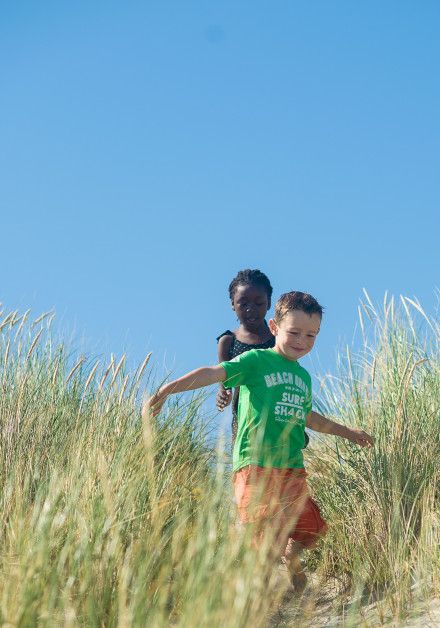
(298, 578)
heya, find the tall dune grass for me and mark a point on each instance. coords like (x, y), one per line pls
(383, 504)
(105, 521)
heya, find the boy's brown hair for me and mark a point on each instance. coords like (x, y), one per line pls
(295, 300)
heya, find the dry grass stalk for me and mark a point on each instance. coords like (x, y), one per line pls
(123, 388)
(75, 368)
(50, 319)
(361, 322)
(42, 317)
(14, 320)
(34, 344)
(87, 384)
(416, 305)
(118, 368)
(7, 319)
(90, 377)
(142, 368)
(55, 373)
(6, 355)
(104, 377)
(370, 304)
(22, 323)
(404, 384)
(20, 397)
(409, 317)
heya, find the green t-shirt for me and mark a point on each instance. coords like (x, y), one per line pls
(275, 399)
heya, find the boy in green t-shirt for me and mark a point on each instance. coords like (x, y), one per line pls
(275, 406)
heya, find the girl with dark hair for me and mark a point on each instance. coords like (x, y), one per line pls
(250, 293)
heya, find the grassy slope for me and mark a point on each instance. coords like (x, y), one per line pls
(104, 521)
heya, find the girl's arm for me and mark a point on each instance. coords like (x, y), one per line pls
(320, 423)
(223, 347)
(223, 396)
(199, 378)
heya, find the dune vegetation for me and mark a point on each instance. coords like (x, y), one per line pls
(108, 521)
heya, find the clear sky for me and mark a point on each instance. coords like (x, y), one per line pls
(150, 150)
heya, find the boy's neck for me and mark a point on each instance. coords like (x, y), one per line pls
(278, 350)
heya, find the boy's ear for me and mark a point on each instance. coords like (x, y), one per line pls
(273, 327)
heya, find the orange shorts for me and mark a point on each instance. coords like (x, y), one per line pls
(278, 501)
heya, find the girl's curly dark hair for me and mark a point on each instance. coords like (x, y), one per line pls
(250, 277)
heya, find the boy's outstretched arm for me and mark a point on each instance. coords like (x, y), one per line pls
(199, 378)
(320, 423)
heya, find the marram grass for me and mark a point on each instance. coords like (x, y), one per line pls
(383, 504)
(105, 521)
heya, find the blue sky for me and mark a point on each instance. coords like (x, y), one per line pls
(150, 150)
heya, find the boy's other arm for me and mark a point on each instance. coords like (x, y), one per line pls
(223, 396)
(199, 378)
(320, 423)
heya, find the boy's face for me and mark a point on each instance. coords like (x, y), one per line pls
(295, 334)
(250, 303)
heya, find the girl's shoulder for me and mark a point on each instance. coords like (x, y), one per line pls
(225, 345)
(226, 334)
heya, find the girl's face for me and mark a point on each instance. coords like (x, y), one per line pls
(250, 303)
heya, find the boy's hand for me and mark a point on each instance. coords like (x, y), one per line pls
(223, 398)
(360, 437)
(154, 404)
